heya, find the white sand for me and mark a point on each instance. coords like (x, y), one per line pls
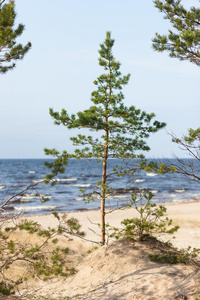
(186, 215)
(122, 270)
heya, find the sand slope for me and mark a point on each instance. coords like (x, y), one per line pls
(122, 270)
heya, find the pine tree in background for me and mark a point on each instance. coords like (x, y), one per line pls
(10, 51)
(184, 43)
(124, 129)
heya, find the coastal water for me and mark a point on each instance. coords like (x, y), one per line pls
(65, 196)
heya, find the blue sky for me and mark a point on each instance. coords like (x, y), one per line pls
(60, 69)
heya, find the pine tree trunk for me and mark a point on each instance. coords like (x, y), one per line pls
(103, 190)
(103, 221)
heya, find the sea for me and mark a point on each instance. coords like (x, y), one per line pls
(66, 194)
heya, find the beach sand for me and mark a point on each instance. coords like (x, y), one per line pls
(121, 269)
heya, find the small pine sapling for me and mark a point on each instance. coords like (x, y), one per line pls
(151, 220)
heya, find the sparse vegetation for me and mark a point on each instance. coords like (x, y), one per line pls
(170, 255)
(151, 220)
(6, 288)
(39, 259)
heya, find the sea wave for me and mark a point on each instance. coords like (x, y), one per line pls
(82, 185)
(58, 179)
(126, 196)
(65, 179)
(139, 180)
(90, 175)
(29, 197)
(40, 207)
(151, 174)
(111, 197)
(172, 195)
(185, 196)
(78, 199)
(193, 195)
(179, 190)
(177, 200)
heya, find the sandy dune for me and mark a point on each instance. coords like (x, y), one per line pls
(121, 269)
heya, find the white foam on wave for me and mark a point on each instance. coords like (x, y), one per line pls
(117, 197)
(31, 172)
(65, 179)
(1, 186)
(179, 190)
(192, 195)
(139, 180)
(28, 197)
(82, 185)
(79, 199)
(154, 192)
(42, 207)
(58, 179)
(172, 195)
(151, 174)
(177, 200)
(25, 200)
(186, 197)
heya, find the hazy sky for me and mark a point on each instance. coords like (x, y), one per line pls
(60, 69)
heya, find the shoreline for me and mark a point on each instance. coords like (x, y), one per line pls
(184, 214)
(192, 200)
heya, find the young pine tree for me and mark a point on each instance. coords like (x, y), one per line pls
(10, 51)
(124, 129)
